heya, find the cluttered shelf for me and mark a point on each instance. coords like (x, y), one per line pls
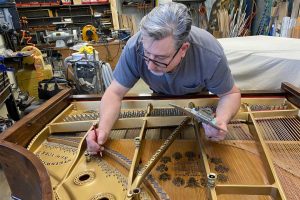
(25, 6)
(38, 18)
(57, 13)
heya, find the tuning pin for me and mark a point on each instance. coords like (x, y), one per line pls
(87, 156)
(211, 179)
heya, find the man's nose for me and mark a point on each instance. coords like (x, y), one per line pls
(151, 65)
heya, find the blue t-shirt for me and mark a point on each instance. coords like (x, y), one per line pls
(203, 67)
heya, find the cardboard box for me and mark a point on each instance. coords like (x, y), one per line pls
(28, 79)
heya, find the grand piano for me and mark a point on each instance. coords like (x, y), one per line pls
(155, 151)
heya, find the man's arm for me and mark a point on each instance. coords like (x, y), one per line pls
(109, 112)
(228, 106)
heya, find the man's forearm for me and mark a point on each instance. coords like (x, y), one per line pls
(109, 112)
(228, 106)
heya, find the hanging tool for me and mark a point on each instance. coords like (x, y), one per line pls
(25, 36)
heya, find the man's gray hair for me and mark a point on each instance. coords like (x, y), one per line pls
(170, 19)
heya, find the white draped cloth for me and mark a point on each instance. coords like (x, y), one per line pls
(263, 62)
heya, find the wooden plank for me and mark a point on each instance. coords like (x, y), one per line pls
(283, 11)
(114, 13)
(128, 22)
(295, 9)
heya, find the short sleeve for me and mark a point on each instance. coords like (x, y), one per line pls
(126, 71)
(221, 80)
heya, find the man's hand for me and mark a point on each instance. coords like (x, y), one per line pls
(95, 141)
(214, 134)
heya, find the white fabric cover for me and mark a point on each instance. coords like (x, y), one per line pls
(263, 62)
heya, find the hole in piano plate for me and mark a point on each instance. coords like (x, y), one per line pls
(136, 191)
(84, 177)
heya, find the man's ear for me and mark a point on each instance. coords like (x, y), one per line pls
(185, 46)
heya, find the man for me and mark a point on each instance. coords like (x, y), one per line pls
(174, 58)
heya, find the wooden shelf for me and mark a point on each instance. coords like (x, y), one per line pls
(40, 18)
(54, 13)
(62, 6)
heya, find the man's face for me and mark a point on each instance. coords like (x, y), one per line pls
(161, 55)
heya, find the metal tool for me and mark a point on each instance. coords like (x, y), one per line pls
(61, 38)
(201, 115)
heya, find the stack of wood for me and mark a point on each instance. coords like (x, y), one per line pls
(128, 22)
(285, 24)
(296, 29)
(233, 21)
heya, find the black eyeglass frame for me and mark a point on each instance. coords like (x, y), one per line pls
(157, 63)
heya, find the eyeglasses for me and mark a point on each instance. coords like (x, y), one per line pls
(155, 62)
